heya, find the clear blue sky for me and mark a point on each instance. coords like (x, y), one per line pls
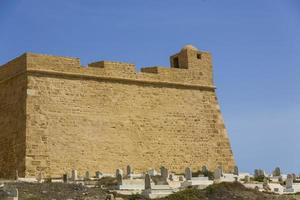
(255, 44)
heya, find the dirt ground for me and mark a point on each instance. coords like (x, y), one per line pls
(61, 191)
(227, 191)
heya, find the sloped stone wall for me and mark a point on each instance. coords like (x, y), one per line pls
(75, 123)
(12, 119)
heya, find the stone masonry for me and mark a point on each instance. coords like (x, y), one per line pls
(56, 116)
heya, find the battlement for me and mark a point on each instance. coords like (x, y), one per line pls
(189, 66)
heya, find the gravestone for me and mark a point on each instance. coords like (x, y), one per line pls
(266, 184)
(147, 182)
(74, 175)
(221, 170)
(180, 178)
(188, 173)
(164, 173)
(98, 174)
(129, 170)
(280, 180)
(277, 172)
(65, 178)
(236, 170)
(87, 175)
(171, 177)
(119, 171)
(247, 179)
(39, 177)
(204, 169)
(120, 179)
(289, 182)
(266, 181)
(294, 177)
(17, 175)
(12, 192)
(218, 173)
(258, 173)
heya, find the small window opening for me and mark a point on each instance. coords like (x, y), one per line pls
(176, 62)
(198, 55)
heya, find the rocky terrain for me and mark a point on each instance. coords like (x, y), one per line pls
(227, 191)
(60, 191)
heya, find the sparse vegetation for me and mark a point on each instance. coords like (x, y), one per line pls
(206, 173)
(158, 180)
(225, 191)
(259, 178)
(107, 182)
(134, 197)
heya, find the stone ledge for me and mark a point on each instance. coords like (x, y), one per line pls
(118, 79)
(112, 79)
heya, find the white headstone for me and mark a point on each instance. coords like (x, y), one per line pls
(289, 181)
(218, 173)
(247, 179)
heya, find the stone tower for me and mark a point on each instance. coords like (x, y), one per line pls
(191, 58)
(56, 116)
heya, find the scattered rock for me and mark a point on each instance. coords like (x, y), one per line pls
(110, 197)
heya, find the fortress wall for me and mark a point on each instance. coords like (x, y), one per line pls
(13, 68)
(107, 115)
(118, 70)
(199, 64)
(12, 118)
(52, 63)
(173, 75)
(79, 123)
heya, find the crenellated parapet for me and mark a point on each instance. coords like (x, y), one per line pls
(189, 66)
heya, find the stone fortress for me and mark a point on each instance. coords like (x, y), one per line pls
(56, 115)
